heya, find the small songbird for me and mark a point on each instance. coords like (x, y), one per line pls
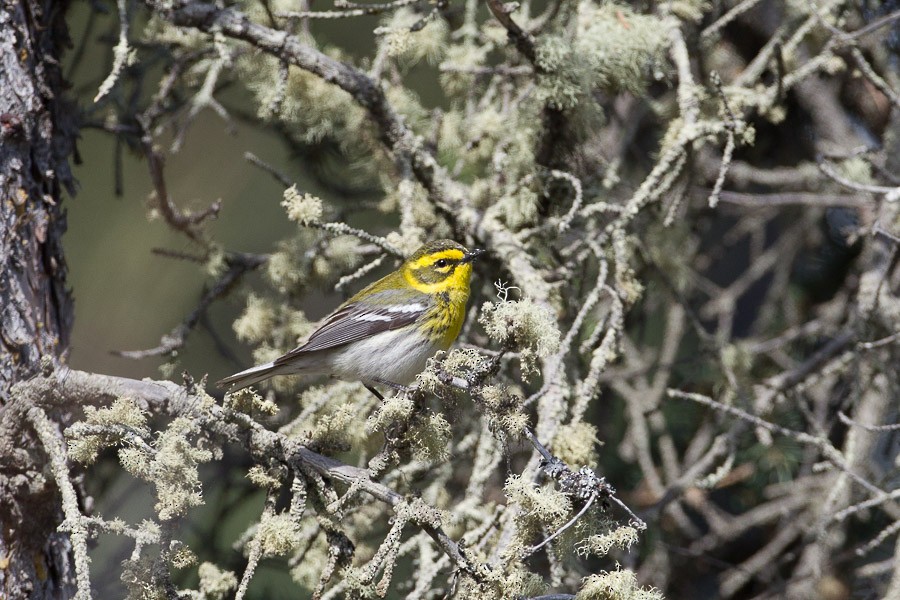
(387, 332)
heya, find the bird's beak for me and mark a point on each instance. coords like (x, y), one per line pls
(471, 256)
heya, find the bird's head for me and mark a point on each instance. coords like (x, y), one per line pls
(439, 266)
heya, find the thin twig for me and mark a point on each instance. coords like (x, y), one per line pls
(587, 505)
(522, 40)
(121, 53)
(186, 222)
(347, 10)
(891, 194)
(55, 448)
(339, 228)
(708, 34)
(255, 550)
(779, 199)
(278, 175)
(873, 428)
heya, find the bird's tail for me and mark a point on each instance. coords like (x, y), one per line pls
(249, 377)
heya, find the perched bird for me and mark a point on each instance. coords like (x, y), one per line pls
(387, 332)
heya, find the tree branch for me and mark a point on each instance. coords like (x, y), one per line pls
(522, 40)
(67, 387)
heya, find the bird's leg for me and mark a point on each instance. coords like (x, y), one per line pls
(375, 392)
(394, 386)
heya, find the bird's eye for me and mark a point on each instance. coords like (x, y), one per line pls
(441, 263)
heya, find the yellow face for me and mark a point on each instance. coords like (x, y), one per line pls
(443, 270)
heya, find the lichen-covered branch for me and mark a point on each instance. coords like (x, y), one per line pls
(680, 201)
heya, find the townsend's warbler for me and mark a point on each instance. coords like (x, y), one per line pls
(387, 332)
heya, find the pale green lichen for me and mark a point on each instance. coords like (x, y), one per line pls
(624, 49)
(216, 584)
(278, 535)
(564, 79)
(136, 461)
(405, 241)
(122, 417)
(410, 199)
(312, 107)
(334, 430)
(613, 48)
(407, 103)
(265, 353)
(521, 325)
(418, 511)
(301, 208)
(615, 585)
(459, 362)
(504, 410)
(428, 433)
(161, 31)
(174, 469)
(519, 208)
(285, 268)
(332, 416)
(513, 581)
(409, 47)
(518, 582)
(512, 152)
(171, 467)
(216, 262)
(140, 581)
(576, 444)
(257, 320)
(857, 169)
(738, 361)
(460, 59)
(181, 556)
(264, 478)
(540, 509)
(601, 544)
(395, 409)
(452, 138)
(357, 583)
(123, 411)
(430, 438)
(337, 256)
(296, 326)
(249, 402)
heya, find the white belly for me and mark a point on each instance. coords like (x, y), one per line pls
(395, 356)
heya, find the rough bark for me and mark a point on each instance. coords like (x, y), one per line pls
(37, 132)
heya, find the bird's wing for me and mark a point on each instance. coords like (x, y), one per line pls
(354, 321)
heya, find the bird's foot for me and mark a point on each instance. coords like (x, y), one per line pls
(375, 392)
(404, 389)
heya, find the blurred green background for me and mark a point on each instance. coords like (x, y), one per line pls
(126, 296)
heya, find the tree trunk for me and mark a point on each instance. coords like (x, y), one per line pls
(37, 133)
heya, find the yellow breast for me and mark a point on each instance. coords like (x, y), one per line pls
(444, 322)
